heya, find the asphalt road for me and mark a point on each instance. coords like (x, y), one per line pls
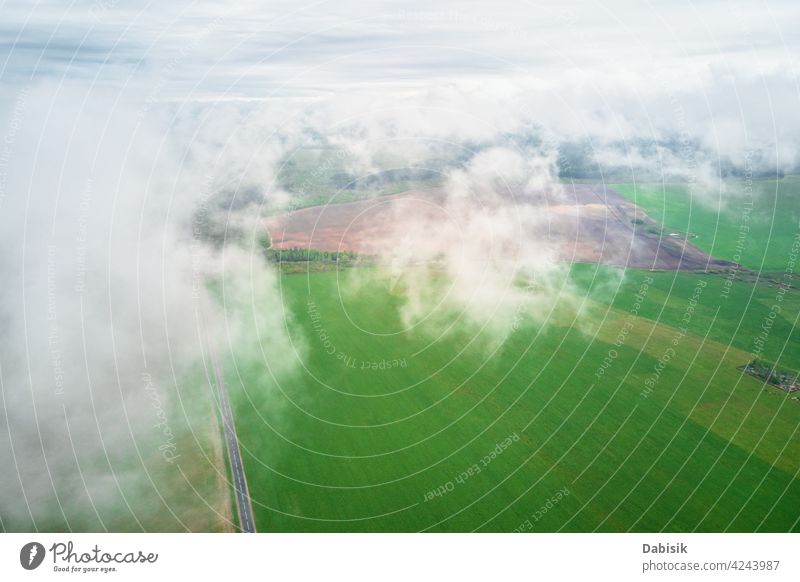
(246, 521)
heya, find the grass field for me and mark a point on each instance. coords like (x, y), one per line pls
(633, 417)
(755, 227)
(318, 176)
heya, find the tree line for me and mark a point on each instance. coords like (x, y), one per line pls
(295, 254)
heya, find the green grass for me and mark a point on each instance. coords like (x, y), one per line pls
(349, 442)
(319, 176)
(334, 195)
(759, 237)
(741, 312)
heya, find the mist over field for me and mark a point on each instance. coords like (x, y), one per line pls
(142, 148)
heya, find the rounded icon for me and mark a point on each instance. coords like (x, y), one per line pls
(31, 555)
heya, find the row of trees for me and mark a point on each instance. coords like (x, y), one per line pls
(309, 255)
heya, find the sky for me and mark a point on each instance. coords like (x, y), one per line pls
(259, 50)
(722, 72)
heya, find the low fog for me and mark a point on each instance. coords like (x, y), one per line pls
(108, 320)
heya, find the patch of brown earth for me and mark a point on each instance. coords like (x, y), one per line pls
(586, 224)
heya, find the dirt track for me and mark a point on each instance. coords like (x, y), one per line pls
(586, 223)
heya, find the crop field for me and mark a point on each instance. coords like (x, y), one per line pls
(628, 414)
(584, 223)
(756, 225)
(318, 176)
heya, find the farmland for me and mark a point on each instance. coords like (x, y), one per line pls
(622, 407)
(754, 225)
(584, 223)
(630, 415)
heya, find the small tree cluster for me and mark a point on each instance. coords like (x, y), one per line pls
(293, 255)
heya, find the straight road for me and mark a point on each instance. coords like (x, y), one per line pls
(245, 507)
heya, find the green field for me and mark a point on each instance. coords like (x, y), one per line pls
(371, 419)
(754, 225)
(317, 176)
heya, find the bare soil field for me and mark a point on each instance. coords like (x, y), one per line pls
(585, 223)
